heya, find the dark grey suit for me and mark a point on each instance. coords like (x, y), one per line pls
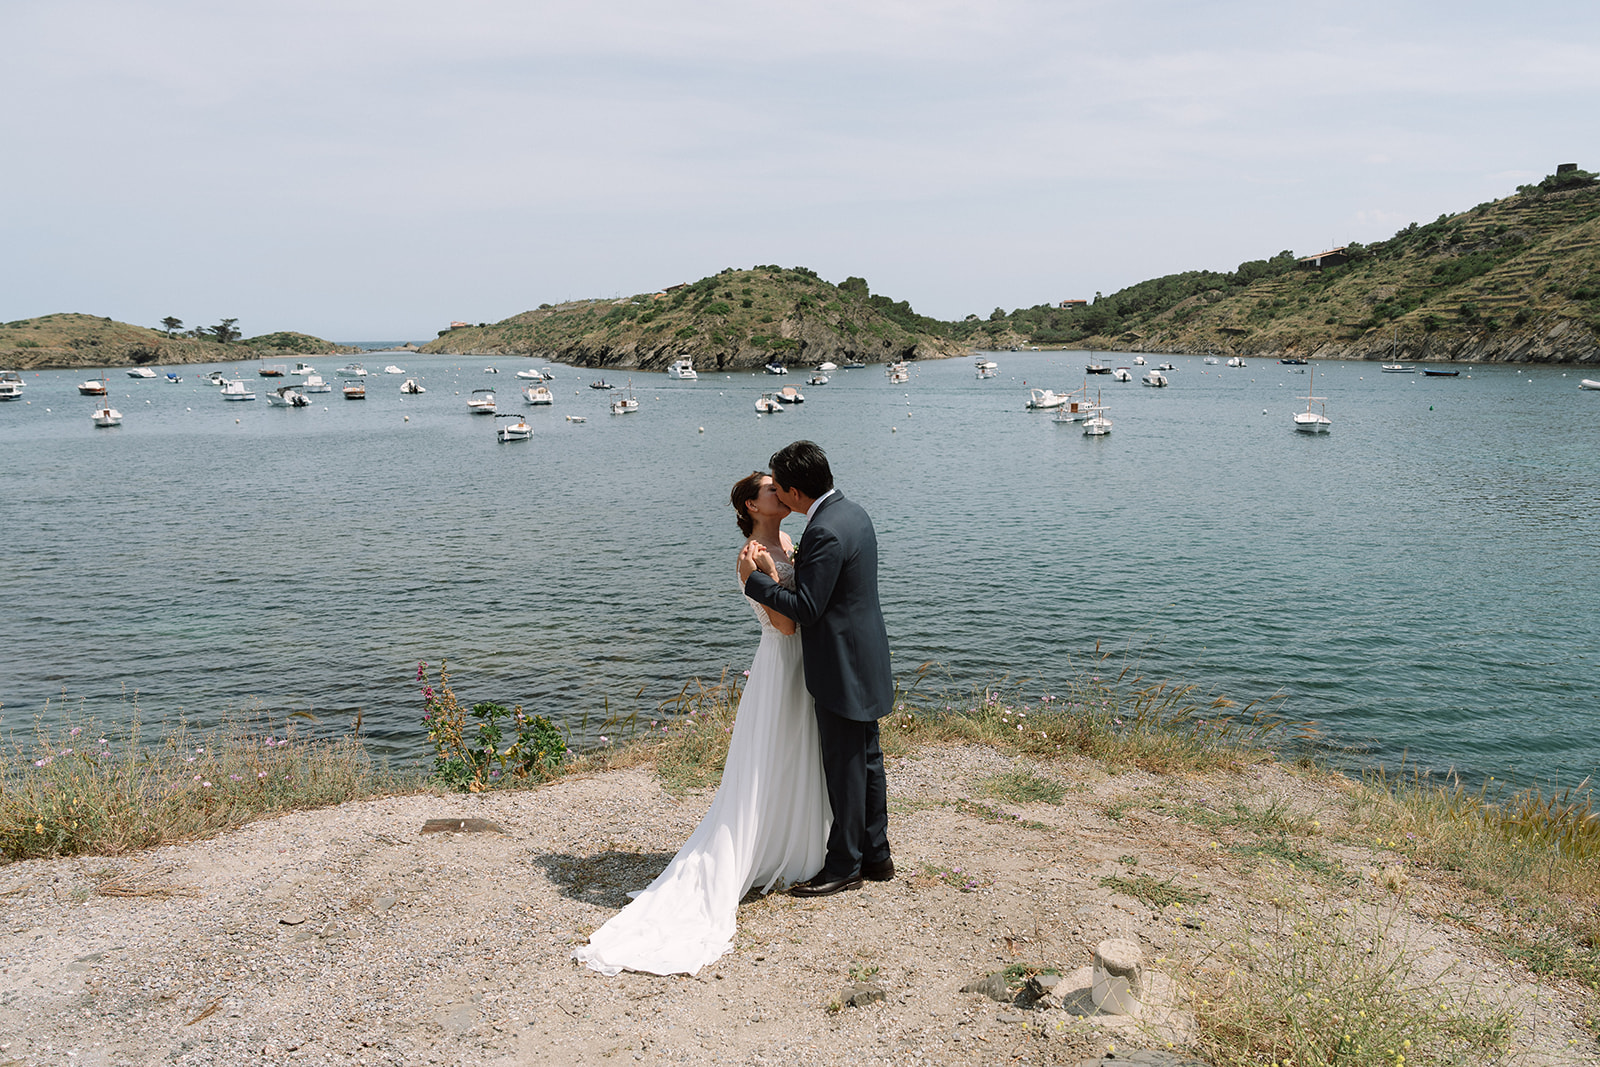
(846, 647)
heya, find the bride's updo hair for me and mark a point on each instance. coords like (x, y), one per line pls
(745, 490)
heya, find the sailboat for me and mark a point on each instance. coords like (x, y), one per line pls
(1097, 425)
(625, 404)
(1309, 421)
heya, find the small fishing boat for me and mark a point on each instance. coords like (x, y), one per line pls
(513, 431)
(1288, 361)
(987, 368)
(1309, 421)
(236, 389)
(274, 370)
(106, 415)
(1097, 425)
(315, 384)
(355, 389)
(1440, 373)
(898, 374)
(92, 387)
(481, 402)
(1398, 368)
(601, 384)
(625, 405)
(767, 404)
(853, 364)
(1096, 367)
(173, 378)
(539, 394)
(303, 369)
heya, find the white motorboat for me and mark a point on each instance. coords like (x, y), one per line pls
(1045, 400)
(1235, 361)
(173, 378)
(315, 384)
(818, 379)
(790, 395)
(92, 387)
(625, 405)
(1589, 383)
(351, 370)
(988, 368)
(411, 387)
(530, 375)
(106, 415)
(215, 377)
(1155, 378)
(601, 384)
(776, 368)
(1122, 374)
(1309, 421)
(11, 385)
(236, 389)
(303, 369)
(539, 394)
(141, 372)
(481, 402)
(1398, 368)
(577, 418)
(683, 368)
(287, 396)
(513, 431)
(1169, 365)
(853, 364)
(767, 404)
(1138, 361)
(354, 389)
(1211, 361)
(392, 369)
(1096, 367)
(897, 372)
(827, 367)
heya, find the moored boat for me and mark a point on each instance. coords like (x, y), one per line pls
(411, 387)
(315, 384)
(1045, 400)
(236, 389)
(538, 394)
(1309, 421)
(141, 372)
(767, 404)
(287, 396)
(355, 389)
(512, 431)
(92, 387)
(481, 402)
(684, 369)
(11, 385)
(1122, 374)
(1155, 378)
(106, 415)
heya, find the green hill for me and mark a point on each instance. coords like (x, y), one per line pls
(1512, 280)
(733, 319)
(70, 340)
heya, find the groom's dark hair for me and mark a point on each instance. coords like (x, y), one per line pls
(803, 467)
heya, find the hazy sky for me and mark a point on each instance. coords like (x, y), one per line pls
(372, 170)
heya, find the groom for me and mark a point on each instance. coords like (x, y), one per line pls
(846, 652)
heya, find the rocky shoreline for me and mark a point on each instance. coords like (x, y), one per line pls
(351, 935)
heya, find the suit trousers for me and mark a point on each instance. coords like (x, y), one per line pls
(852, 763)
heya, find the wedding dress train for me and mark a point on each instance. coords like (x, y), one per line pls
(767, 826)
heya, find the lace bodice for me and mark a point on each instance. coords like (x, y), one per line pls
(785, 579)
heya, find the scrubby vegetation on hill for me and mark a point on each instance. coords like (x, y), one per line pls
(1511, 279)
(72, 340)
(732, 319)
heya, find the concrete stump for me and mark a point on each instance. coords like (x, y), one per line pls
(1118, 980)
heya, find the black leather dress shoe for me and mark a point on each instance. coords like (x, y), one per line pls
(878, 872)
(824, 884)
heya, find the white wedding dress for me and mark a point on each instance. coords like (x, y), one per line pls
(767, 827)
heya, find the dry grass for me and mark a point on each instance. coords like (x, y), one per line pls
(88, 788)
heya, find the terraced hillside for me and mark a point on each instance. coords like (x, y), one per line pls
(733, 319)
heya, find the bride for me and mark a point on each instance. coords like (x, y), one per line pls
(768, 825)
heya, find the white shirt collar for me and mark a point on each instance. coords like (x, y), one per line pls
(812, 510)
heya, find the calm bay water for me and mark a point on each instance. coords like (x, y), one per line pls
(1422, 580)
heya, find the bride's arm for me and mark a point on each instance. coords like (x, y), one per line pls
(780, 622)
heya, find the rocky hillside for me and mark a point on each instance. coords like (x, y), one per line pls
(69, 340)
(1511, 280)
(734, 319)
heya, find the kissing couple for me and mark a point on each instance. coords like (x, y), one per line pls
(803, 800)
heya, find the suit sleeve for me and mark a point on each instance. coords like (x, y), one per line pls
(821, 561)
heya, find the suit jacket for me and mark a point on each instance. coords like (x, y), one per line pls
(835, 602)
